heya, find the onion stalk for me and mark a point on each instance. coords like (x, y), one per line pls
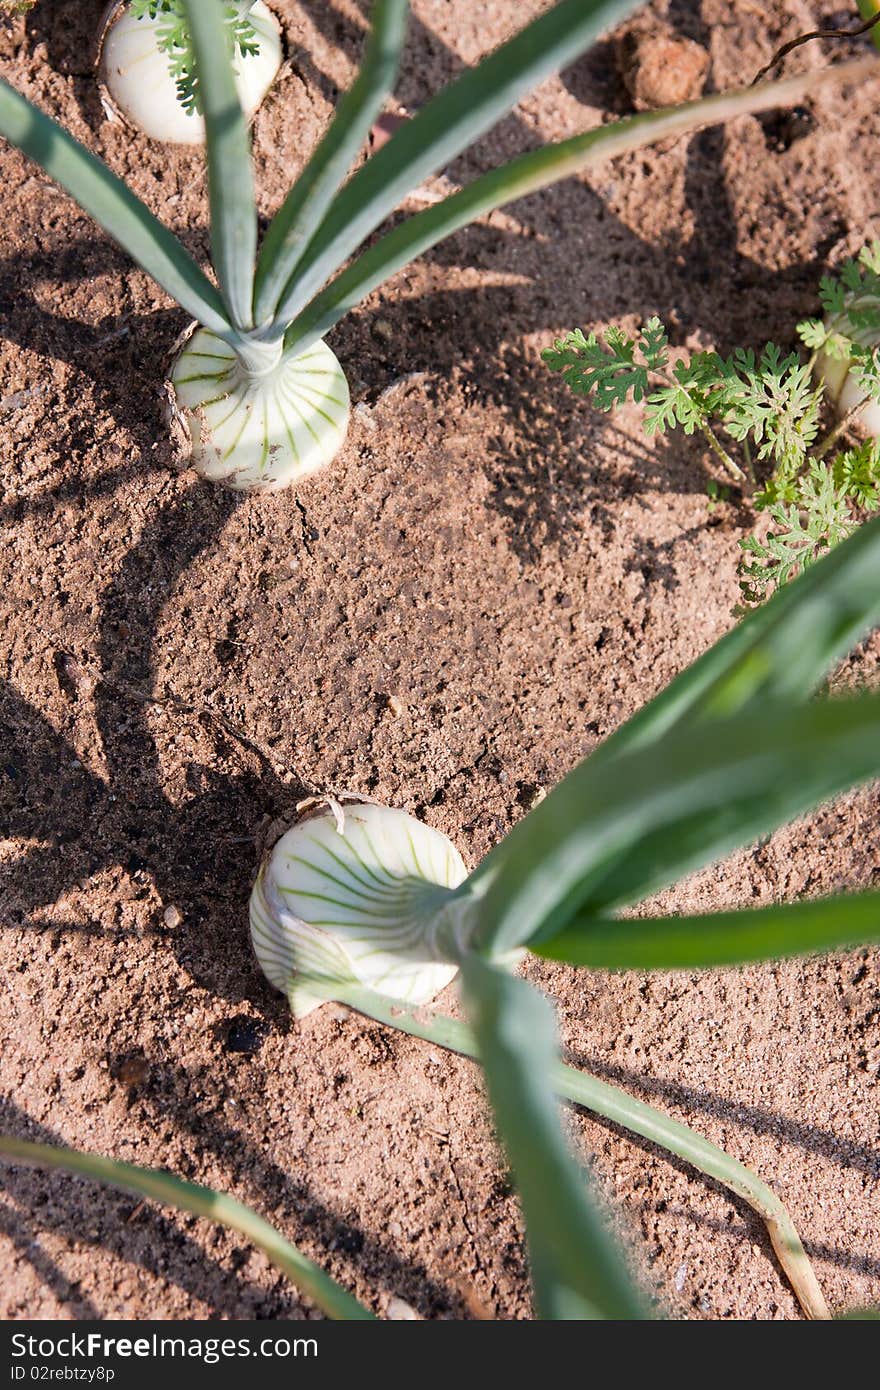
(274, 301)
(138, 71)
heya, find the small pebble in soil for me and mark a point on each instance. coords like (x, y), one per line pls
(131, 1071)
(245, 1035)
(659, 68)
(172, 916)
(399, 1311)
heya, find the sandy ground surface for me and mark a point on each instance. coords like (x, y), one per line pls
(489, 578)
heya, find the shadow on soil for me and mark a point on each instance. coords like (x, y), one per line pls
(135, 1232)
(187, 850)
(810, 1138)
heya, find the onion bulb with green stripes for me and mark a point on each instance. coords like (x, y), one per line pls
(140, 60)
(365, 898)
(255, 418)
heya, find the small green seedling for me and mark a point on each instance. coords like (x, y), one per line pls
(148, 65)
(760, 414)
(367, 906)
(260, 396)
(716, 494)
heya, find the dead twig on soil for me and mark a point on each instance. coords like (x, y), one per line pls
(808, 38)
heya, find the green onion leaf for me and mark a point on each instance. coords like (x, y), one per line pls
(639, 1118)
(300, 215)
(330, 1297)
(230, 174)
(113, 206)
(716, 938)
(576, 1270)
(650, 1123)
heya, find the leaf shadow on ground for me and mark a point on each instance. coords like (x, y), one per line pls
(122, 354)
(135, 1233)
(69, 31)
(810, 1138)
(141, 1233)
(577, 264)
(185, 849)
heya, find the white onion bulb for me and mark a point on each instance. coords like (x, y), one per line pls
(261, 429)
(358, 905)
(841, 384)
(136, 74)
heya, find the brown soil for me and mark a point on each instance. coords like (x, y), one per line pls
(521, 574)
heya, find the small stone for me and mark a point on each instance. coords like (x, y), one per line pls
(172, 916)
(399, 1311)
(384, 329)
(131, 1071)
(659, 68)
(395, 706)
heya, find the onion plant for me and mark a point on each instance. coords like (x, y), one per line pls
(147, 65)
(369, 907)
(262, 398)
